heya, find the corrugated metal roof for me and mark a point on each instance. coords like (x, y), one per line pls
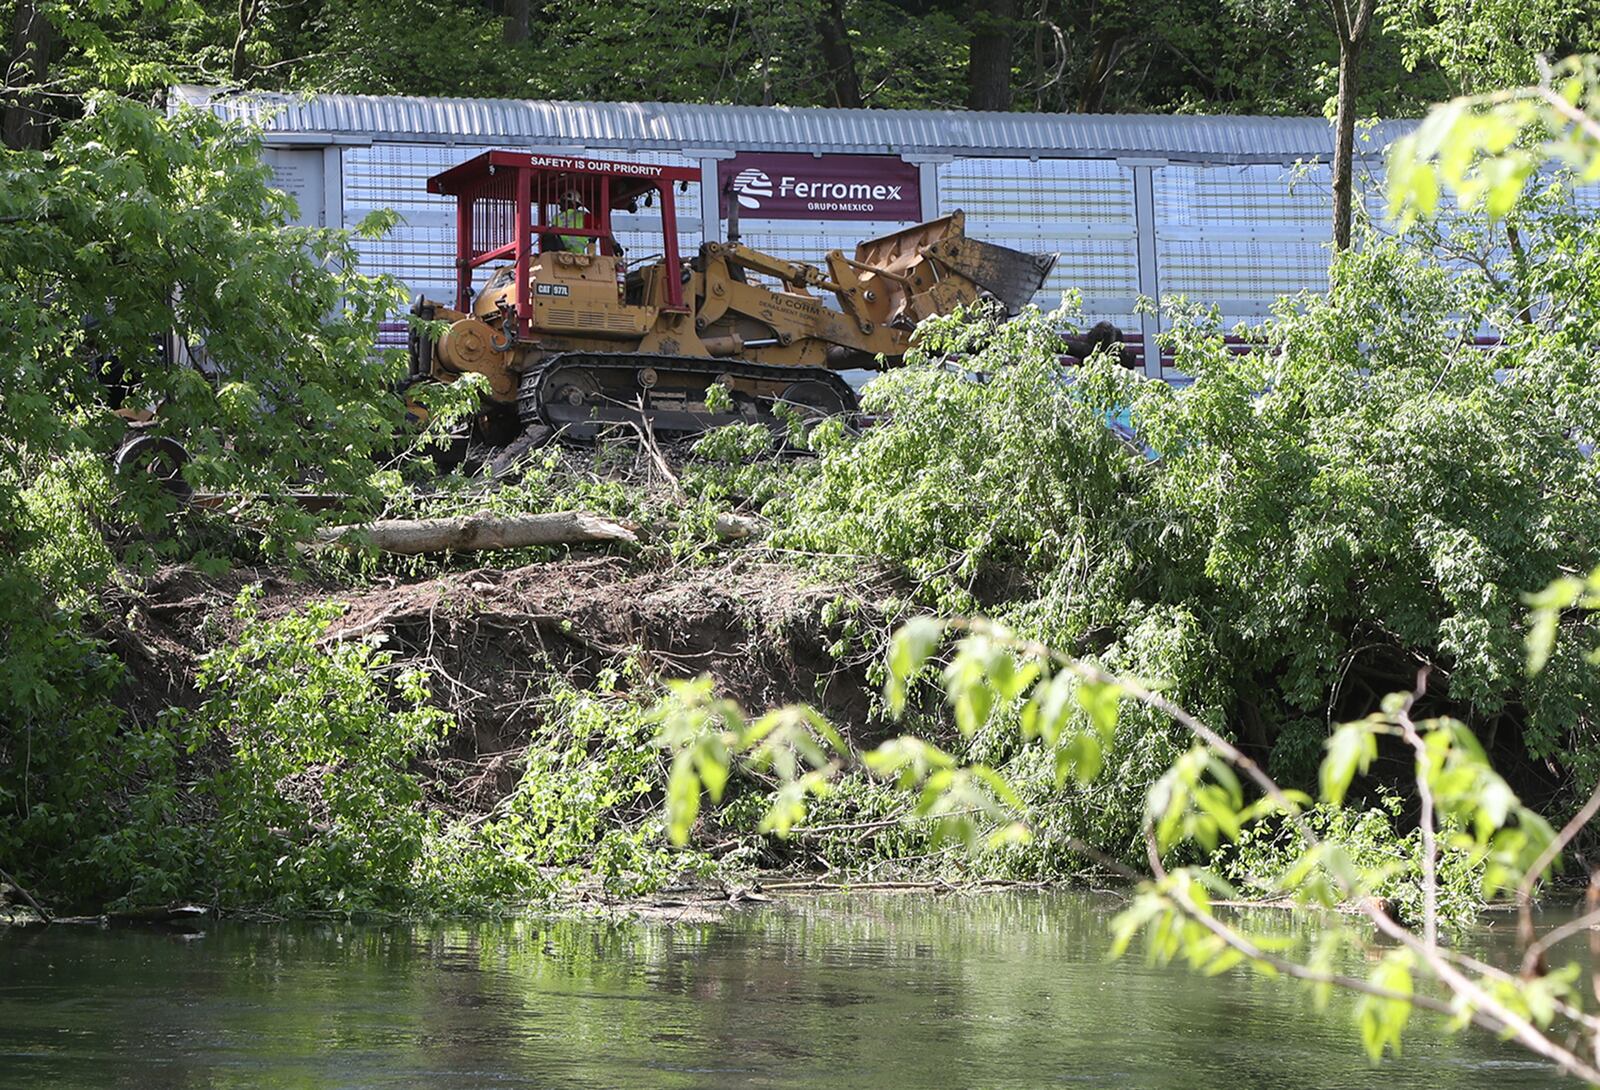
(673, 126)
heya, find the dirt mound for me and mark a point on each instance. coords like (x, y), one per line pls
(491, 638)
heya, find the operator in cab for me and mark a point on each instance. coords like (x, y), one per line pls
(572, 213)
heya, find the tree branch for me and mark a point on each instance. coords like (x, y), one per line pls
(1486, 1010)
(1589, 126)
(1571, 829)
(1530, 960)
(1363, 19)
(26, 896)
(1430, 880)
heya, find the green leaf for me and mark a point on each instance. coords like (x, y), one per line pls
(1541, 639)
(1351, 748)
(908, 652)
(1012, 833)
(1080, 756)
(1225, 960)
(1100, 699)
(1047, 712)
(1382, 1019)
(683, 798)
(711, 763)
(972, 705)
(999, 785)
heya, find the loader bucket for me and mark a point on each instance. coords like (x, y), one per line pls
(1011, 276)
(899, 251)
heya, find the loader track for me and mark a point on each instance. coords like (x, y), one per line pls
(579, 394)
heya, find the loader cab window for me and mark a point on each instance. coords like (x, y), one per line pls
(573, 213)
(517, 206)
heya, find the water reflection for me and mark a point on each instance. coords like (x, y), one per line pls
(866, 991)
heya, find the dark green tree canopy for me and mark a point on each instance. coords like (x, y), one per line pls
(1049, 55)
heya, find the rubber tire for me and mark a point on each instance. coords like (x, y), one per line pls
(159, 457)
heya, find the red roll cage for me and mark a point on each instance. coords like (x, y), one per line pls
(508, 202)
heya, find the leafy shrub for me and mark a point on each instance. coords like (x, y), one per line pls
(97, 279)
(589, 797)
(1268, 850)
(1367, 492)
(1374, 486)
(65, 759)
(989, 493)
(313, 805)
(132, 230)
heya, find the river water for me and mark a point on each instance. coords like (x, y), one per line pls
(860, 992)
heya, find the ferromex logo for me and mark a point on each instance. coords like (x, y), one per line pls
(750, 186)
(826, 187)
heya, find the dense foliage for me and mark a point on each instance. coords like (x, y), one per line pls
(1189, 55)
(134, 231)
(1274, 494)
(1293, 533)
(131, 229)
(1366, 492)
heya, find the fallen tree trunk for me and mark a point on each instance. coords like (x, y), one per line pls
(732, 527)
(469, 533)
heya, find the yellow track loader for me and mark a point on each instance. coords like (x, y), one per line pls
(573, 336)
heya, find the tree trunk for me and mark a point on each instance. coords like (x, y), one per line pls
(838, 59)
(469, 533)
(239, 68)
(1098, 80)
(1344, 143)
(1519, 266)
(1350, 26)
(989, 58)
(23, 123)
(517, 25)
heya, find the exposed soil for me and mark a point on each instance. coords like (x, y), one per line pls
(491, 639)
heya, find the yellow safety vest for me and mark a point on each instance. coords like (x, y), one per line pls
(573, 217)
